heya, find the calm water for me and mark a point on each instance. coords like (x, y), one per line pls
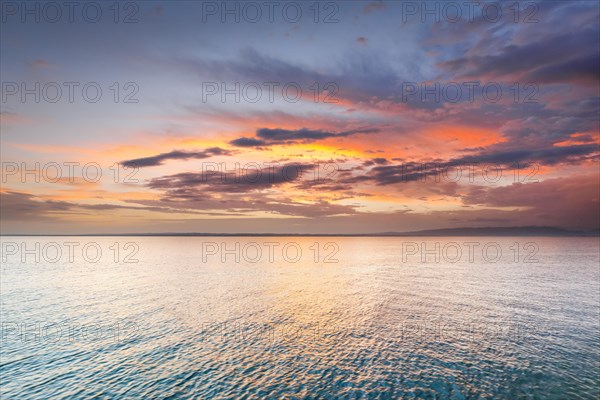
(324, 318)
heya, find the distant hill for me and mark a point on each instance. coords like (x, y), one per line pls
(498, 231)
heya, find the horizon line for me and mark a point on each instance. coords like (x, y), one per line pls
(463, 231)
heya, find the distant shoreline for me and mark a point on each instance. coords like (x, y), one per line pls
(510, 231)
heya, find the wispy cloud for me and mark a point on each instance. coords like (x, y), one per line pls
(158, 159)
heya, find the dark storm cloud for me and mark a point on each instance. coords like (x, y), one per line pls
(175, 155)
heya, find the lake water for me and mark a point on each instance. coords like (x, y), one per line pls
(299, 317)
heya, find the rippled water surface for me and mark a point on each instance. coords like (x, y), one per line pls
(346, 318)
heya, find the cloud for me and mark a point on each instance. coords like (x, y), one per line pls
(247, 142)
(375, 161)
(239, 181)
(536, 60)
(267, 136)
(19, 206)
(243, 193)
(392, 174)
(175, 155)
(9, 118)
(584, 69)
(561, 201)
(261, 203)
(546, 156)
(39, 63)
(372, 6)
(24, 206)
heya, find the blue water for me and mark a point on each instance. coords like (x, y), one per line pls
(168, 317)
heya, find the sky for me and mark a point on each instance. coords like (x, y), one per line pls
(298, 117)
